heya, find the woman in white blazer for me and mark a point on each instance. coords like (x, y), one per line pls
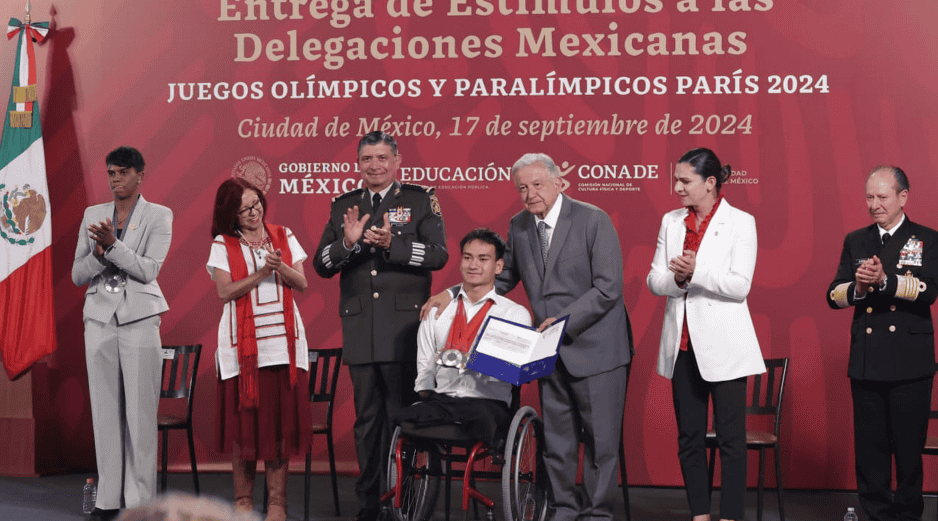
(703, 263)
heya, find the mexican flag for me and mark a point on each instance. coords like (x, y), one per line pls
(27, 323)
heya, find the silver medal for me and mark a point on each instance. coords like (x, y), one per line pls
(114, 282)
(451, 358)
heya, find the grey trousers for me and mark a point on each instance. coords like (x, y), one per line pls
(124, 368)
(587, 410)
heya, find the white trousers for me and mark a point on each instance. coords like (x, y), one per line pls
(124, 373)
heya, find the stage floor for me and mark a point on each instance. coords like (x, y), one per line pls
(58, 498)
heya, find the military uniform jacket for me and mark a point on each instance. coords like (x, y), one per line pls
(382, 290)
(892, 335)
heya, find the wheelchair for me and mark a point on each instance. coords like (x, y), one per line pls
(421, 456)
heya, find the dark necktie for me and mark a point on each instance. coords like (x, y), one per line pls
(375, 202)
(542, 232)
(886, 237)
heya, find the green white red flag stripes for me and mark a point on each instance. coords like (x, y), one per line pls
(27, 322)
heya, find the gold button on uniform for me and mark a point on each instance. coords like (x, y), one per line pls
(869, 310)
(375, 295)
(892, 329)
(374, 273)
(869, 330)
(892, 308)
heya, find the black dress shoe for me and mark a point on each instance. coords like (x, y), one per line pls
(367, 514)
(103, 515)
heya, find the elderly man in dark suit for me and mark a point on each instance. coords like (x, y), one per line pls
(888, 273)
(385, 239)
(567, 255)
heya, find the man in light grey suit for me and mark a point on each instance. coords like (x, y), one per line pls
(121, 247)
(566, 253)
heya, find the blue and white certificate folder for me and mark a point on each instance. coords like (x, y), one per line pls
(515, 353)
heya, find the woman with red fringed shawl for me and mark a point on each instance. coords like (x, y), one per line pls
(263, 407)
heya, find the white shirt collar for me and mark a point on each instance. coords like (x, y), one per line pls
(490, 295)
(383, 193)
(553, 215)
(891, 231)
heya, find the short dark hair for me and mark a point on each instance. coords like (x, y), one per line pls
(487, 236)
(902, 180)
(227, 203)
(126, 157)
(706, 164)
(373, 138)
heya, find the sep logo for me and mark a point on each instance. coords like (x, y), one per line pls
(253, 170)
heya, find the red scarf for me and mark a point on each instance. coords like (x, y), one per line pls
(461, 335)
(247, 336)
(692, 242)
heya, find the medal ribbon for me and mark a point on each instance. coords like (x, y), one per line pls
(461, 334)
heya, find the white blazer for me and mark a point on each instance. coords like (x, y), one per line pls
(718, 320)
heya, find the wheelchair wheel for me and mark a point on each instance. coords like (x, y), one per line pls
(420, 479)
(524, 480)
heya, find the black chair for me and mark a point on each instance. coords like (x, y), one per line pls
(931, 442)
(324, 367)
(180, 368)
(768, 389)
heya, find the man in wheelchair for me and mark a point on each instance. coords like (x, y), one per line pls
(450, 393)
(460, 407)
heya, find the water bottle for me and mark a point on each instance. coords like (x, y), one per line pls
(851, 515)
(90, 495)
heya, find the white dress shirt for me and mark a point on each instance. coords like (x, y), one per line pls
(451, 380)
(551, 219)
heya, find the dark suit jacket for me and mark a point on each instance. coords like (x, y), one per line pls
(583, 279)
(382, 291)
(891, 338)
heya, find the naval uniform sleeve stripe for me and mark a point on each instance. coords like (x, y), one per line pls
(839, 295)
(908, 287)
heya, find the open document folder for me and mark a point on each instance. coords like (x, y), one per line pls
(514, 353)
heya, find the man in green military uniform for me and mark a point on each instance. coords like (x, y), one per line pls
(384, 239)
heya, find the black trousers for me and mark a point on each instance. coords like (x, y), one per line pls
(380, 390)
(481, 419)
(890, 419)
(691, 395)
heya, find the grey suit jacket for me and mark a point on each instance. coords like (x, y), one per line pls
(583, 279)
(139, 254)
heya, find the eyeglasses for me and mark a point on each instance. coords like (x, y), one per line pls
(256, 207)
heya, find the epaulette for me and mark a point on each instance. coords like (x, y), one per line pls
(356, 191)
(434, 202)
(418, 188)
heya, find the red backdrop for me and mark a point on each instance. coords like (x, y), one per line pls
(802, 98)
